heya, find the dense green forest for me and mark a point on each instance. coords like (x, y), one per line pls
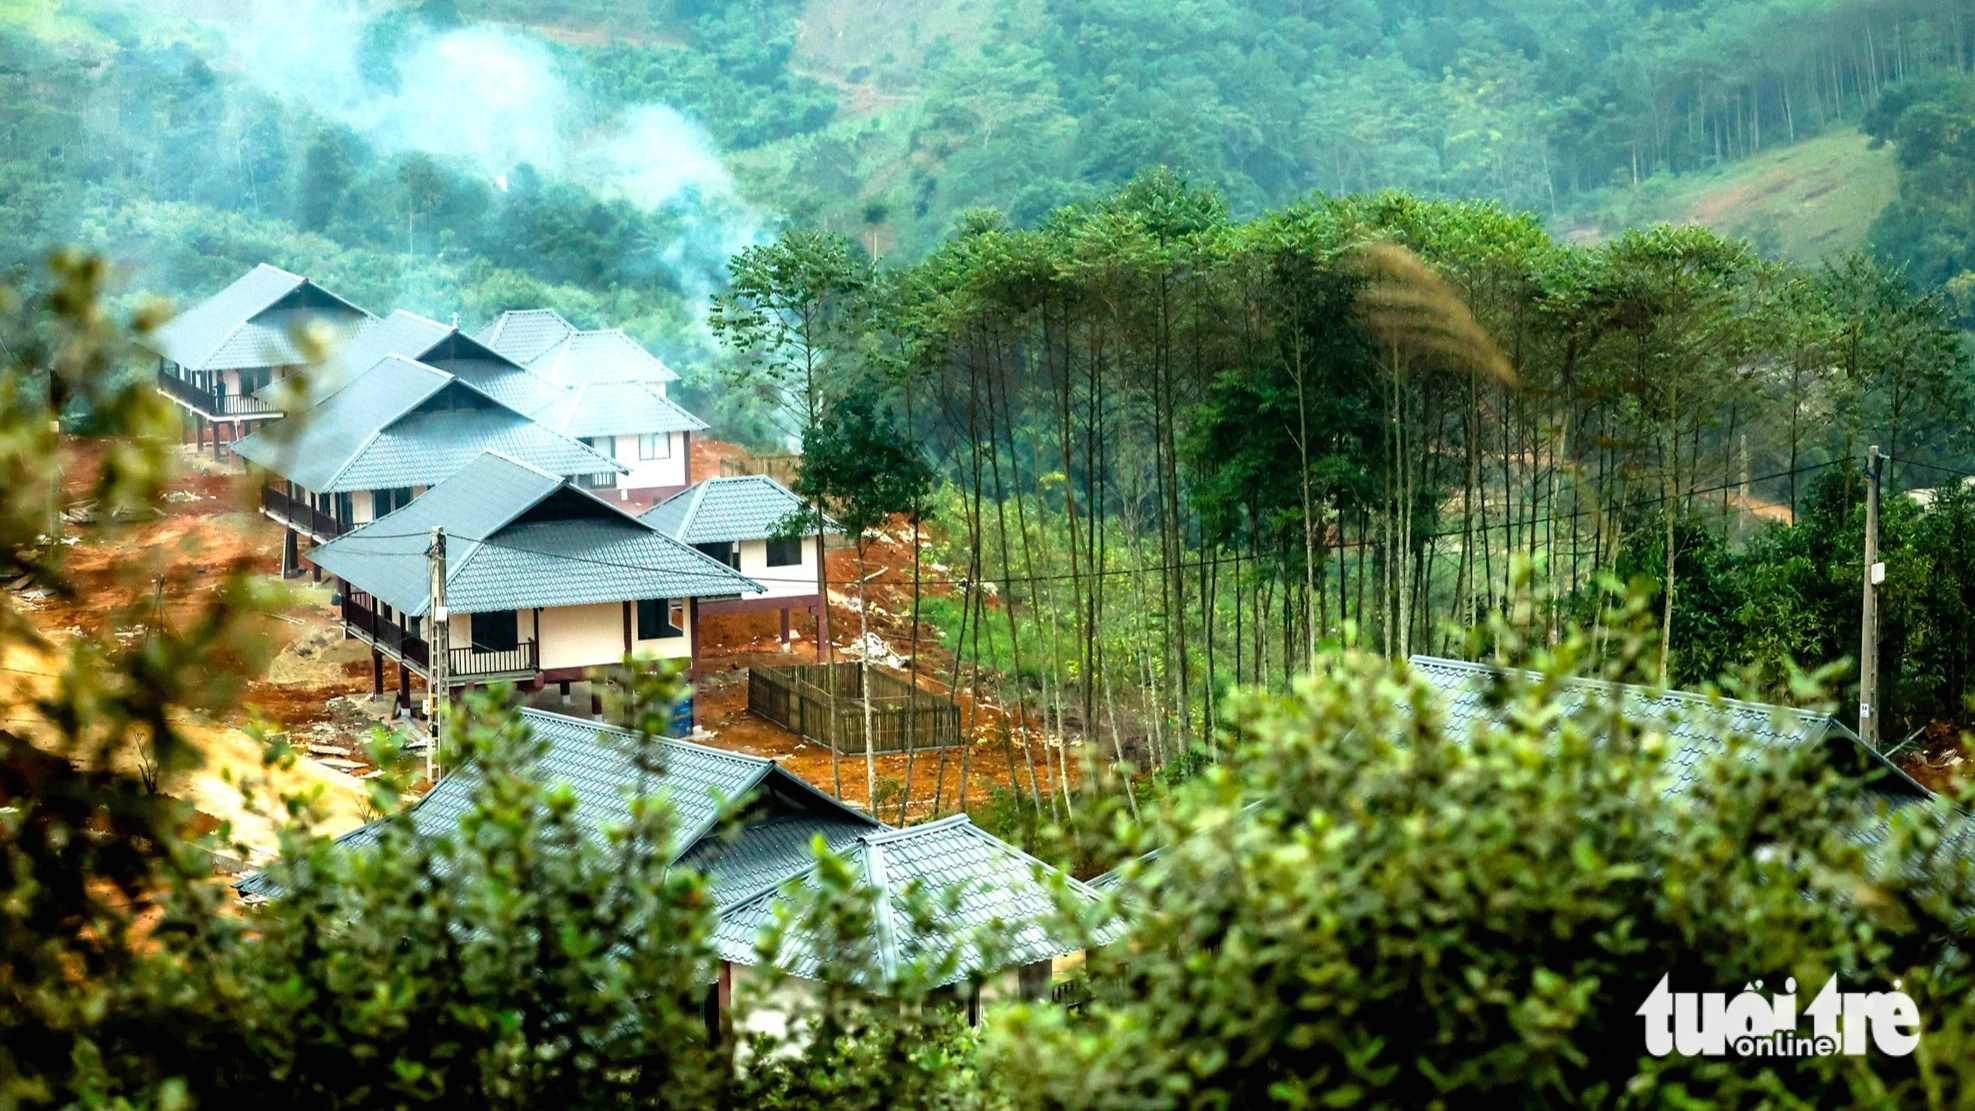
(474, 155)
(1183, 449)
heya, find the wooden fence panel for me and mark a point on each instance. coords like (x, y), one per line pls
(823, 702)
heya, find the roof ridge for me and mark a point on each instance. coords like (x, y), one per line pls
(879, 837)
(881, 910)
(498, 454)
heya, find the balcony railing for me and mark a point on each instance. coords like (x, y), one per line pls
(213, 403)
(299, 514)
(477, 662)
(361, 615)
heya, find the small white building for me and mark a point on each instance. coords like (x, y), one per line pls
(546, 582)
(741, 521)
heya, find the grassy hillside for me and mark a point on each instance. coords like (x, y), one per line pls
(1803, 202)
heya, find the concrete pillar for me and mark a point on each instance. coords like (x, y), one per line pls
(785, 626)
(692, 619)
(216, 428)
(291, 553)
(376, 675)
(563, 689)
(596, 702)
(404, 686)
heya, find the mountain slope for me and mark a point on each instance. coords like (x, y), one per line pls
(1805, 201)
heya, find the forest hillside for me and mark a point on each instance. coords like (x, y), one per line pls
(471, 156)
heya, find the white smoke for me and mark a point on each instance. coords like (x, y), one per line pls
(492, 99)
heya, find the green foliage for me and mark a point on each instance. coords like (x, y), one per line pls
(860, 465)
(735, 76)
(1930, 229)
(794, 309)
(1416, 912)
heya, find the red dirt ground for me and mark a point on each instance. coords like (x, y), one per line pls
(316, 685)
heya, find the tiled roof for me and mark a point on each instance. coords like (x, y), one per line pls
(520, 538)
(250, 322)
(412, 336)
(765, 853)
(526, 334)
(601, 356)
(402, 333)
(269, 339)
(518, 389)
(595, 761)
(616, 409)
(998, 889)
(314, 448)
(427, 447)
(721, 510)
(1696, 722)
(397, 425)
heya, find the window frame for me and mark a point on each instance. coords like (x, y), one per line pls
(796, 545)
(474, 639)
(654, 446)
(661, 618)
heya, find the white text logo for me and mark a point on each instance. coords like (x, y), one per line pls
(1710, 1024)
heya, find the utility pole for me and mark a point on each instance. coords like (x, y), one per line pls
(439, 689)
(1875, 573)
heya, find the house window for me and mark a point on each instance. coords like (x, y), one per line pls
(605, 446)
(785, 552)
(661, 618)
(496, 632)
(655, 445)
(726, 552)
(390, 501)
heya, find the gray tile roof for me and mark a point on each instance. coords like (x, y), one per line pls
(765, 853)
(614, 386)
(526, 334)
(402, 333)
(518, 389)
(521, 538)
(607, 355)
(594, 761)
(1696, 722)
(426, 447)
(424, 340)
(402, 423)
(251, 323)
(616, 409)
(721, 510)
(1000, 890)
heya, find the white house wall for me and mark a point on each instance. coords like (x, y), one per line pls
(649, 473)
(798, 579)
(580, 636)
